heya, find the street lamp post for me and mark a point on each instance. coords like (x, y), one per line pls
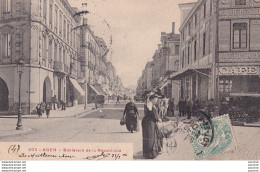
(19, 125)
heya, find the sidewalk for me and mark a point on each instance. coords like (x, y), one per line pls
(69, 112)
(9, 130)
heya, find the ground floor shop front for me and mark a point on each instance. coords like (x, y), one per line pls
(37, 85)
(240, 86)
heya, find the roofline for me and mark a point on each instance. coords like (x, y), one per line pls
(197, 4)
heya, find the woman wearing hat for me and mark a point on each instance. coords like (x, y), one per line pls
(151, 146)
(131, 116)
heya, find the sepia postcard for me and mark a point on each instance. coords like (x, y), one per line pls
(129, 80)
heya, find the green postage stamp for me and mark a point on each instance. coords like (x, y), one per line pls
(222, 138)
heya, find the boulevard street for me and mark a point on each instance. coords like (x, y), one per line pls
(102, 125)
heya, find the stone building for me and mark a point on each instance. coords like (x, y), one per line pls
(96, 65)
(166, 61)
(42, 35)
(219, 54)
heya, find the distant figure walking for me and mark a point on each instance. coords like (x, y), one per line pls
(48, 109)
(188, 106)
(181, 105)
(118, 100)
(63, 105)
(171, 107)
(54, 101)
(131, 116)
(39, 110)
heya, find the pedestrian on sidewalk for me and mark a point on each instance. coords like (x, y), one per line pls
(54, 101)
(63, 105)
(39, 110)
(48, 109)
(189, 104)
(181, 107)
(211, 108)
(131, 116)
(195, 107)
(170, 110)
(118, 100)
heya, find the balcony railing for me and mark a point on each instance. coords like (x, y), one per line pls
(57, 66)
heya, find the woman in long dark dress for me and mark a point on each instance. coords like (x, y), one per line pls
(151, 144)
(131, 116)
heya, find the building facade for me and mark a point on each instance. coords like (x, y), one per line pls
(41, 34)
(98, 71)
(197, 52)
(219, 52)
(166, 61)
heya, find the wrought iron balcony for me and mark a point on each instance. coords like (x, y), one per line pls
(57, 66)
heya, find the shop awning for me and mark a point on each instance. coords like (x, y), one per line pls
(98, 89)
(94, 89)
(77, 86)
(177, 75)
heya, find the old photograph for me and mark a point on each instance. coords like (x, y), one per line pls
(129, 79)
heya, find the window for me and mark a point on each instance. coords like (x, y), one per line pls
(44, 51)
(60, 23)
(204, 11)
(182, 61)
(7, 6)
(50, 51)
(50, 13)
(211, 7)
(64, 29)
(45, 9)
(195, 20)
(71, 34)
(68, 32)
(64, 57)
(55, 52)
(60, 55)
(176, 65)
(204, 44)
(6, 45)
(225, 86)
(195, 50)
(188, 59)
(183, 34)
(56, 19)
(239, 35)
(177, 48)
(189, 29)
(240, 2)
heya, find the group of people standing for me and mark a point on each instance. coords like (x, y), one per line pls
(188, 107)
(156, 108)
(48, 106)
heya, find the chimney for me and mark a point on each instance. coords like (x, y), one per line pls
(173, 27)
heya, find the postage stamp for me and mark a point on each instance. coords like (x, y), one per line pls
(223, 139)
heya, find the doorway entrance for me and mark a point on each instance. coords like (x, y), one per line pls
(4, 102)
(47, 90)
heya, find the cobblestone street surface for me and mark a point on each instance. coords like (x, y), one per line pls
(102, 125)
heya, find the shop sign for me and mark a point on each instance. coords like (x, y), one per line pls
(239, 57)
(239, 70)
(240, 13)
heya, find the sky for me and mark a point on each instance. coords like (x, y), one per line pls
(135, 27)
